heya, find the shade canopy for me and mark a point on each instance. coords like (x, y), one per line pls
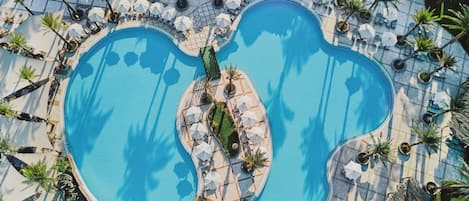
(96, 14)
(75, 30)
(182, 23)
(223, 20)
(233, 4)
(248, 119)
(366, 31)
(193, 114)
(141, 6)
(255, 134)
(123, 6)
(390, 13)
(198, 131)
(156, 8)
(212, 180)
(168, 13)
(203, 151)
(353, 170)
(244, 103)
(388, 39)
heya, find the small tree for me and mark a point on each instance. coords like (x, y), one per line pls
(62, 165)
(27, 73)
(421, 44)
(7, 111)
(422, 17)
(454, 188)
(377, 151)
(254, 160)
(446, 62)
(18, 42)
(206, 96)
(6, 146)
(233, 74)
(40, 175)
(53, 23)
(351, 7)
(428, 135)
(459, 22)
(21, 2)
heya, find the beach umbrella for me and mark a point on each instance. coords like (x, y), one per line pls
(168, 13)
(442, 100)
(203, 151)
(75, 30)
(212, 180)
(366, 31)
(141, 6)
(248, 119)
(390, 13)
(156, 8)
(223, 20)
(123, 6)
(193, 114)
(96, 14)
(388, 39)
(233, 4)
(182, 23)
(244, 103)
(198, 131)
(255, 134)
(353, 170)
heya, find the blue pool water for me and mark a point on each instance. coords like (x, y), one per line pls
(122, 99)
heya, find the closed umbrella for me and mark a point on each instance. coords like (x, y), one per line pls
(223, 20)
(203, 151)
(141, 6)
(75, 30)
(156, 8)
(248, 119)
(168, 14)
(255, 134)
(366, 31)
(96, 14)
(233, 4)
(123, 6)
(388, 39)
(198, 131)
(353, 170)
(244, 103)
(390, 13)
(442, 100)
(212, 180)
(182, 23)
(193, 114)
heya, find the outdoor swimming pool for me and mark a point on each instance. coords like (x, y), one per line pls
(122, 99)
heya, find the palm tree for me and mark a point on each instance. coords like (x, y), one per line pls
(446, 62)
(421, 17)
(421, 44)
(62, 165)
(206, 96)
(233, 74)
(428, 135)
(460, 22)
(457, 188)
(21, 2)
(5, 146)
(387, 3)
(53, 23)
(18, 42)
(377, 151)
(76, 14)
(253, 161)
(39, 174)
(351, 7)
(7, 111)
(27, 73)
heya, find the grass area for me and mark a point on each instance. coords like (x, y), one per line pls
(223, 126)
(454, 4)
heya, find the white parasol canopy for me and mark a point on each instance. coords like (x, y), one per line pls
(96, 14)
(255, 134)
(212, 180)
(223, 20)
(123, 6)
(141, 6)
(203, 151)
(243, 103)
(388, 39)
(366, 31)
(442, 100)
(182, 23)
(233, 4)
(248, 119)
(353, 170)
(169, 13)
(75, 30)
(156, 8)
(390, 13)
(198, 131)
(193, 114)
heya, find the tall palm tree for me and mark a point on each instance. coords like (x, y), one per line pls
(27, 73)
(21, 2)
(455, 188)
(53, 23)
(351, 7)
(7, 111)
(421, 44)
(378, 150)
(459, 21)
(76, 14)
(446, 62)
(254, 160)
(387, 3)
(429, 135)
(40, 175)
(206, 96)
(233, 74)
(18, 42)
(421, 17)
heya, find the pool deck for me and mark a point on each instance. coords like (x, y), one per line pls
(411, 97)
(237, 184)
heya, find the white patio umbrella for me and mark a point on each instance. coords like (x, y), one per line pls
(223, 20)
(198, 131)
(203, 151)
(141, 6)
(212, 180)
(353, 170)
(255, 134)
(75, 30)
(182, 23)
(96, 14)
(123, 6)
(366, 31)
(169, 13)
(193, 114)
(156, 8)
(233, 4)
(243, 103)
(388, 39)
(442, 100)
(390, 13)
(248, 119)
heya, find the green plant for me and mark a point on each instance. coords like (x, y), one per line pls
(27, 73)
(421, 18)
(53, 23)
(5, 146)
(446, 62)
(351, 7)
(7, 111)
(378, 150)
(428, 135)
(254, 160)
(455, 188)
(459, 22)
(62, 165)
(206, 96)
(21, 2)
(18, 42)
(233, 74)
(421, 44)
(39, 174)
